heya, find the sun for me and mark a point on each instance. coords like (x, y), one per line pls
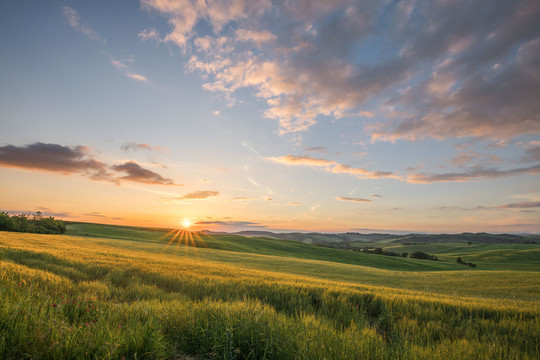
(186, 223)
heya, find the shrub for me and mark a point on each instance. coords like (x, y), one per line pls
(32, 223)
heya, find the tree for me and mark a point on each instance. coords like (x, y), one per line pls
(33, 223)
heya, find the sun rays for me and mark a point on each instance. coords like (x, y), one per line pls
(186, 238)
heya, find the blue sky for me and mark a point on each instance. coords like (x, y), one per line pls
(287, 115)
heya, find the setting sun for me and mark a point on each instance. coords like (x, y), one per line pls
(186, 223)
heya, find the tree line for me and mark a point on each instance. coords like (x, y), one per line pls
(415, 255)
(31, 223)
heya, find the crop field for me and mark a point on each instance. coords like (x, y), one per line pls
(105, 292)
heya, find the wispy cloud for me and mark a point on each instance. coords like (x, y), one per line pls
(133, 146)
(199, 195)
(241, 198)
(353, 199)
(467, 157)
(230, 223)
(532, 152)
(74, 20)
(134, 172)
(137, 77)
(149, 34)
(301, 160)
(45, 211)
(125, 67)
(472, 174)
(363, 173)
(321, 149)
(520, 206)
(331, 166)
(75, 160)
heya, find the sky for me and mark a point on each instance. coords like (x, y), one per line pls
(292, 115)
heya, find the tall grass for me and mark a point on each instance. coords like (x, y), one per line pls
(72, 298)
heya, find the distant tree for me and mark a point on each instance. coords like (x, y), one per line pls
(5, 222)
(459, 261)
(404, 254)
(423, 256)
(33, 223)
(378, 250)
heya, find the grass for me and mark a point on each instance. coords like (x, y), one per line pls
(73, 297)
(263, 246)
(490, 256)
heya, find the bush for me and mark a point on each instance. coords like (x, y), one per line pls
(32, 223)
(459, 261)
(423, 256)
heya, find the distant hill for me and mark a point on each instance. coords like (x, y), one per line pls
(353, 237)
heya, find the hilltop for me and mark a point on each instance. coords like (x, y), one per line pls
(355, 237)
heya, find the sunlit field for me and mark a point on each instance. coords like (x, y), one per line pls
(155, 294)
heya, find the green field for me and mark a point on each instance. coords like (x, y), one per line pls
(117, 292)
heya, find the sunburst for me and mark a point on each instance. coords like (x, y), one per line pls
(186, 238)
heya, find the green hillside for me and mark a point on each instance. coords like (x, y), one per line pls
(263, 246)
(138, 293)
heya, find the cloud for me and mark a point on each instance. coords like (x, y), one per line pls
(45, 211)
(532, 152)
(476, 173)
(258, 37)
(95, 214)
(465, 158)
(139, 174)
(360, 200)
(137, 77)
(230, 223)
(133, 146)
(123, 66)
(521, 205)
(524, 206)
(241, 198)
(118, 64)
(199, 195)
(472, 174)
(331, 166)
(301, 160)
(74, 21)
(54, 158)
(149, 34)
(314, 59)
(294, 203)
(363, 173)
(321, 149)
(74, 160)
(375, 196)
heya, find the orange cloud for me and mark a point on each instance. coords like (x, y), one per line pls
(360, 200)
(332, 166)
(301, 160)
(199, 195)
